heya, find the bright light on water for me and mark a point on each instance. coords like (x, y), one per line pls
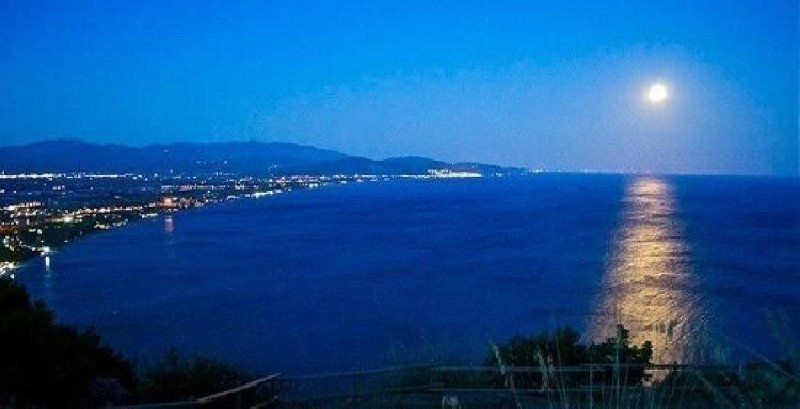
(380, 271)
(647, 281)
(169, 225)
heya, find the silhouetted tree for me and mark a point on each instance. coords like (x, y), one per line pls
(628, 360)
(563, 347)
(46, 364)
(176, 378)
(560, 348)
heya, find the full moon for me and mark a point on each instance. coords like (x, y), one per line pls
(657, 93)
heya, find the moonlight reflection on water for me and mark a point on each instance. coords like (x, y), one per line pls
(648, 282)
(384, 273)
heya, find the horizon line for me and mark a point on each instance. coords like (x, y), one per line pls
(528, 168)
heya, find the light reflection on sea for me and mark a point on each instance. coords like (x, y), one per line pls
(648, 282)
(369, 275)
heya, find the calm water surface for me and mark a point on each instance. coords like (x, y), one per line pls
(382, 273)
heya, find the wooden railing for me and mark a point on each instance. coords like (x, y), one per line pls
(258, 393)
(434, 385)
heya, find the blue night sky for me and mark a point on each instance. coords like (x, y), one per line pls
(559, 85)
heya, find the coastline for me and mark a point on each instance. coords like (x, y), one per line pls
(344, 262)
(71, 223)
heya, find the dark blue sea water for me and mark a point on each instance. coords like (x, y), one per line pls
(371, 274)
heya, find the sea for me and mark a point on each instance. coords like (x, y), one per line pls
(366, 275)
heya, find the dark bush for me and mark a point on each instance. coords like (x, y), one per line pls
(178, 378)
(550, 352)
(46, 364)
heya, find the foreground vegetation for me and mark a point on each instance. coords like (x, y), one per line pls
(563, 372)
(45, 364)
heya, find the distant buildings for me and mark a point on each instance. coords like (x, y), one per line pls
(42, 211)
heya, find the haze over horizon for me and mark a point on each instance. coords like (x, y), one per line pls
(558, 86)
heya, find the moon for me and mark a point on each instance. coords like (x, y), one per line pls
(657, 93)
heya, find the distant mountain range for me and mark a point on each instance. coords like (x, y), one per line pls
(252, 158)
